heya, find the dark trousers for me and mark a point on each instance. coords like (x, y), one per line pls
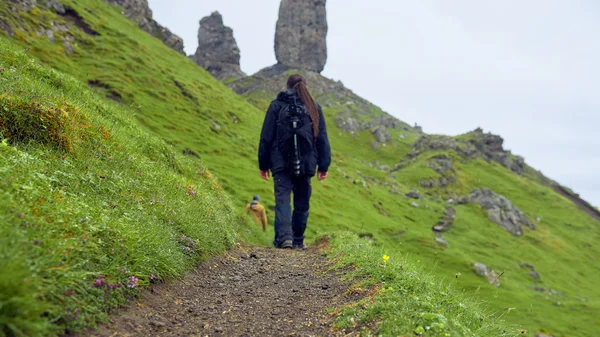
(288, 225)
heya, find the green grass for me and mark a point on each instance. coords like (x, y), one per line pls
(401, 298)
(180, 103)
(114, 201)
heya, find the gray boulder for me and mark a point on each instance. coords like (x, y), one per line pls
(501, 211)
(23, 5)
(381, 133)
(346, 123)
(439, 239)
(385, 121)
(301, 33)
(217, 51)
(379, 127)
(414, 194)
(482, 270)
(56, 6)
(140, 12)
(389, 122)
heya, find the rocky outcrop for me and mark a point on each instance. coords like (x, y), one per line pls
(378, 126)
(501, 211)
(345, 122)
(140, 12)
(491, 146)
(56, 6)
(441, 165)
(381, 133)
(482, 270)
(217, 51)
(386, 121)
(23, 5)
(52, 29)
(476, 143)
(300, 36)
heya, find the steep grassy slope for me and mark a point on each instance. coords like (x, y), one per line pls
(92, 205)
(202, 118)
(405, 299)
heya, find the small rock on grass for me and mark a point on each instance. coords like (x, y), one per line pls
(441, 241)
(414, 194)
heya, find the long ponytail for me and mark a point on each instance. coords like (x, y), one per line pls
(298, 83)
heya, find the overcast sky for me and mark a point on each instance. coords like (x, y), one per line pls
(527, 70)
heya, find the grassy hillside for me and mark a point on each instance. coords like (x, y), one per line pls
(92, 206)
(203, 119)
(405, 299)
(95, 208)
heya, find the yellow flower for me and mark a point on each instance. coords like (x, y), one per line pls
(385, 258)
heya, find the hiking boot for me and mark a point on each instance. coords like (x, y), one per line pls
(287, 244)
(300, 246)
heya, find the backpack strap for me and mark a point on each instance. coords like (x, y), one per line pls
(282, 112)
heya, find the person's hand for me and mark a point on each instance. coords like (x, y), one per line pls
(264, 174)
(322, 176)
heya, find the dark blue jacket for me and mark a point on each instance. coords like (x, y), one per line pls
(271, 156)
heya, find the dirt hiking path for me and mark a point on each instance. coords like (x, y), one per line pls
(247, 292)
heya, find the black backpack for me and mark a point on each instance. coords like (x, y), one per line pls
(295, 138)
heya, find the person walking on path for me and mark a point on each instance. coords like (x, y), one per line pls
(293, 148)
(257, 211)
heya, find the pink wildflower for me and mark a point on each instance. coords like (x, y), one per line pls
(132, 282)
